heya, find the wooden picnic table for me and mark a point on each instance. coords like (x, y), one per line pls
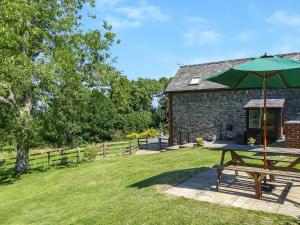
(237, 163)
(238, 158)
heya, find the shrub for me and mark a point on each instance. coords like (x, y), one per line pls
(149, 133)
(200, 141)
(90, 152)
(118, 136)
(132, 136)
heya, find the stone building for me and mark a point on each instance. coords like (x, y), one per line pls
(198, 107)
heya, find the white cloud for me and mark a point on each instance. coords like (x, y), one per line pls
(198, 37)
(284, 18)
(200, 32)
(104, 4)
(120, 16)
(118, 23)
(143, 12)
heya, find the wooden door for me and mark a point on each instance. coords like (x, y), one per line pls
(255, 124)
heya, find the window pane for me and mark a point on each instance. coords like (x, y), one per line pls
(254, 118)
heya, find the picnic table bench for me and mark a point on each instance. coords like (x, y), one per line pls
(257, 172)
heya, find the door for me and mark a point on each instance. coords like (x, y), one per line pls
(255, 125)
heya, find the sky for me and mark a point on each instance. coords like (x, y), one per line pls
(157, 36)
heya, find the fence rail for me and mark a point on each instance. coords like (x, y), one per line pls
(65, 156)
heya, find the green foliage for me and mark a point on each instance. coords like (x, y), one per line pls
(58, 84)
(137, 121)
(251, 140)
(149, 133)
(118, 136)
(90, 152)
(132, 136)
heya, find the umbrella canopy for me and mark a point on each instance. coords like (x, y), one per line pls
(264, 72)
(280, 73)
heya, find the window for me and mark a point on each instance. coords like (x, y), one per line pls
(254, 116)
(195, 81)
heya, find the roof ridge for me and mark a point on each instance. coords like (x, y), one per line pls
(234, 60)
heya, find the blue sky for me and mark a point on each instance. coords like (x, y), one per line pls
(157, 36)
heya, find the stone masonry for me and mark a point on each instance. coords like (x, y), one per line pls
(214, 108)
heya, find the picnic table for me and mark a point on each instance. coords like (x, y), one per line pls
(275, 156)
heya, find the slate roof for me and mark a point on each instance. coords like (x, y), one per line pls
(271, 103)
(185, 74)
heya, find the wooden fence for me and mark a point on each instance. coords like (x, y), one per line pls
(66, 156)
(157, 143)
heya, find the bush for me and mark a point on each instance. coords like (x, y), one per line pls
(118, 136)
(90, 153)
(133, 136)
(149, 133)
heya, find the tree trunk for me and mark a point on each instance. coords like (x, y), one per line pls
(22, 159)
(23, 136)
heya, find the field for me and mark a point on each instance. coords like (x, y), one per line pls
(119, 190)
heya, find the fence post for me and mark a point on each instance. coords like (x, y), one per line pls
(138, 142)
(159, 143)
(147, 144)
(78, 151)
(180, 137)
(188, 137)
(48, 158)
(130, 149)
(103, 145)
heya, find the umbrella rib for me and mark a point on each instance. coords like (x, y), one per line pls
(283, 79)
(240, 81)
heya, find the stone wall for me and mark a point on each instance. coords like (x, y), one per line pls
(204, 109)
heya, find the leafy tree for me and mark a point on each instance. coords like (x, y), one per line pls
(160, 113)
(43, 53)
(137, 121)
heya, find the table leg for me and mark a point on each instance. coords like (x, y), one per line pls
(219, 171)
(223, 157)
(257, 185)
(271, 165)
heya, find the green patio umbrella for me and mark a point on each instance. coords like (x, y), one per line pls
(264, 72)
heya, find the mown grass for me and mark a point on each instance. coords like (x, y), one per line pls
(120, 190)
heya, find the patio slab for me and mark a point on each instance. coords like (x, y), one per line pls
(238, 191)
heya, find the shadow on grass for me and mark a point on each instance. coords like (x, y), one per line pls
(9, 176)
(168, 178)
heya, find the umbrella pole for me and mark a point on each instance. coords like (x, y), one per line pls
(265, 121)
(266, 187)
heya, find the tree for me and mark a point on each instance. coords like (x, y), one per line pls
(43, 53)
(160, 113)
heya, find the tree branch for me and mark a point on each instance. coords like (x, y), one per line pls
(6, 101)
(10, 97)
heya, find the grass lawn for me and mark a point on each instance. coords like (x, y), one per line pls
(120, 190)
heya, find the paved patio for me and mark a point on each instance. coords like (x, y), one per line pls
(238, 191)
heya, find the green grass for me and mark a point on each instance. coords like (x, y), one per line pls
(120, 190)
